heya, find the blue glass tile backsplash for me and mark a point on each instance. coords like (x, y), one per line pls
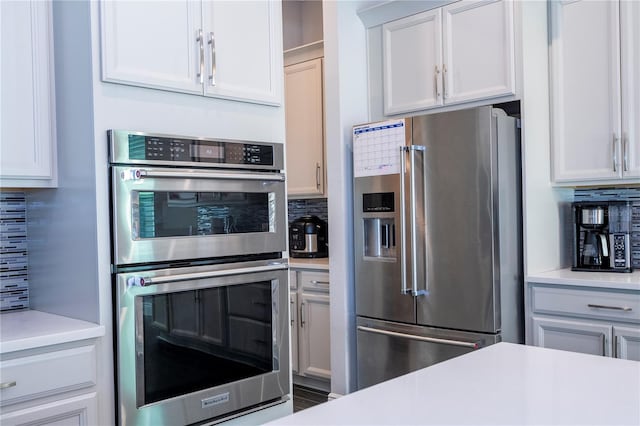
(314, 207)
(623, 194)
(14, 283)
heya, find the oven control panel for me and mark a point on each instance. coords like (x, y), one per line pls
(137, 147)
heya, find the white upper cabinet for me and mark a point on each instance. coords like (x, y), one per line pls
(225, 49)
(305, 129)
(412, 61)
(630, 44)
(479, 50)
(458, 53)
(595, 95)
(27, 125)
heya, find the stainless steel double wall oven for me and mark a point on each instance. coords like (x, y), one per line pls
(200, 286)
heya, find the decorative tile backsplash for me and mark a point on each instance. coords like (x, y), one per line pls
(14, 283)
(621, 194)
(314, 207)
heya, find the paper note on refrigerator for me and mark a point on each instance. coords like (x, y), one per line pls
(376, 148)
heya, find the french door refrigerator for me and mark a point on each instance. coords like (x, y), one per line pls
(437, 239)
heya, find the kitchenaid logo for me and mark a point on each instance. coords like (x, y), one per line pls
(215, 400)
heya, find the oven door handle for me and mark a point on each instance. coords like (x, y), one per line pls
(181, 174)
(142, 281)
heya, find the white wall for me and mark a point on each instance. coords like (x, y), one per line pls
(345, 105)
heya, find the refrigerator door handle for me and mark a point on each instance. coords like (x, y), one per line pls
(404, 289)
(412, 221)
(471, 345)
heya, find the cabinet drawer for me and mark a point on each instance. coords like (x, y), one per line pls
(587, 303)
(314, 281)
(47, 374)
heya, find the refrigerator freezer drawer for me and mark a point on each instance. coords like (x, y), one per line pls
(388, 349)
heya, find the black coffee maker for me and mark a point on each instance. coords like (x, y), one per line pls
(602, 234)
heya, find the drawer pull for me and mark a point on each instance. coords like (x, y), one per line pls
(615, 308)
(319, 282)
(6, 385)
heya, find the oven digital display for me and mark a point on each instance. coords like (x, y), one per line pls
(210, 152)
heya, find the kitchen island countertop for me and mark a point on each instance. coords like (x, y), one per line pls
(502, 384)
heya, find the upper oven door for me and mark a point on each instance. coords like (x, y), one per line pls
(168, 214)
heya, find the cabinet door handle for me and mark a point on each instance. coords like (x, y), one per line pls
(615, 308)
(444, 80)
(302, 321)
(615, 346)
(318, 176)
(615, 152)
(436, 78)
(200, 40)
(212, 46)
(625, 152)
(292, 312)
(604, 345)
(6, 385)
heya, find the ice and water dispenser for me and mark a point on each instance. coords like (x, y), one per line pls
(379, 225)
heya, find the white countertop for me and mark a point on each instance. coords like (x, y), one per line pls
(502, 384)
(616, 280)
(321, 264)
(31, 329)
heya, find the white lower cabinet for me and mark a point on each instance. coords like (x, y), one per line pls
(80, 411)
(597, 321)
(310, 328)
(626, 342)
(49, 386)
(575, 336)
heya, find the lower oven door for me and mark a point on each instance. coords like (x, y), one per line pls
(168, 214)
(201, 342)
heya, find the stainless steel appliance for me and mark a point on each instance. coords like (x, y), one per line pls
(308, 237)
(602, 236)
(200, 286)
(437, 240)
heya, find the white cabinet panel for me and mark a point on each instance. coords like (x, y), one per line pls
(27, 125)
(576, 336)
(412, 62)
(47, 374)
(627, 342)
(293, 306)
(242, 43)
(479, 50)
(76, 411)
(152, 44)
(305, 128)
(630, 52)
(315, 353)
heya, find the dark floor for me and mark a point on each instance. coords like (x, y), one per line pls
(304, 397)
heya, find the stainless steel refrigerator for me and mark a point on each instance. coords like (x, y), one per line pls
(438, 230)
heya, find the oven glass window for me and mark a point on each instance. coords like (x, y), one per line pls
(179, 214)
(194, 340)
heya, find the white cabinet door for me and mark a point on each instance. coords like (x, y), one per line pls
(575, 336)
(315, 353)
(585, 90)
(27, 129)
(77, 411)
(478, 44)
(293, 306)
(243, 43)
(627, 342)
(412, 62)
(152, 44)
(630, 55)
(305, 128)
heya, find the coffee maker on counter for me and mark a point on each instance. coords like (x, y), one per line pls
(602, 236)
(308, 237)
